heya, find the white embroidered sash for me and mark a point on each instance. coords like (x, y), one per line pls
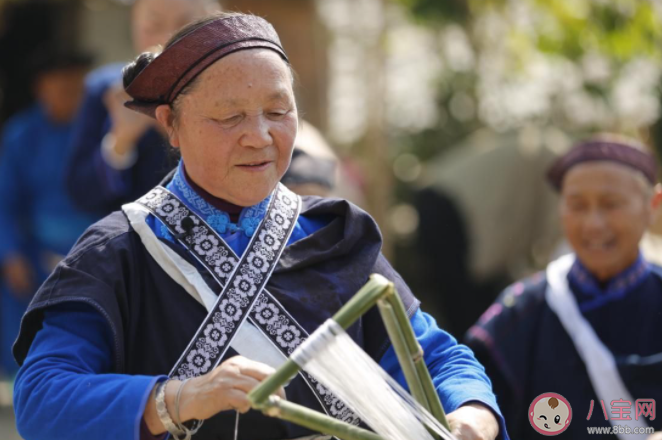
(244, 312)
(248, 341)
(599, 361)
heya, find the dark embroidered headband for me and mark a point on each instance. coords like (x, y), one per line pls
(603, 150)
(164, 78)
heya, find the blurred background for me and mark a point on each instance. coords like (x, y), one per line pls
(442, 115)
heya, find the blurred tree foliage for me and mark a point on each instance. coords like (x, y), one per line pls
(593, 46)
(435, 11)
(618, 28)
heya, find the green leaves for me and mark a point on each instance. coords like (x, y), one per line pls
(620, 29)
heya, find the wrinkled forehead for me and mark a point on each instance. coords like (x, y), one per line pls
(253, 64)
(604, 176)
(255, 74)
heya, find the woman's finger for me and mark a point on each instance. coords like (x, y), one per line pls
(237, 400)
(254, 369)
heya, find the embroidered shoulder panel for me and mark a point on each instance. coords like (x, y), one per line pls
(242, 282)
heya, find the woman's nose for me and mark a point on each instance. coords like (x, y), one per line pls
(595, 219)
(257, 133)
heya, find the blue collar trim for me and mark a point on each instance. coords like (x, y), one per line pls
(249, 219)
(592, 296)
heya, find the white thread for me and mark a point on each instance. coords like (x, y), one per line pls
(316, 342)
(334, 359)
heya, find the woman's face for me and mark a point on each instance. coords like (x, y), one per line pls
(605, 210)
(236, 127)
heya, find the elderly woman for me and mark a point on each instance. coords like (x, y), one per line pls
(174, 309)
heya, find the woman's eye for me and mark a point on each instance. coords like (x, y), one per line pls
(542, 417)
(557, 419)
(576, 206)
(611, 204)
(276, 115)
(231, 120)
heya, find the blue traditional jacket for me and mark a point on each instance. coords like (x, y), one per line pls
(128, 322)
(527, 351)
(38, 219)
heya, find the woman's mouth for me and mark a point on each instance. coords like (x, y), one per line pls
(255, 166)
(599, 245)
(546, 426)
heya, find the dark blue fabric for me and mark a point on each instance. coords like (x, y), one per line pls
(74, 349)
(527, 352)
(592, 295)
(95, 186)
(71, 361)
(315, 276)
(37, 217)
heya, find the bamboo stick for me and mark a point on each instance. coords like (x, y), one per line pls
(363, 301)
(308, 418)
(409, 352)
(416, 353)
(402, 352)
(260, 394)
(436, 409)
(360, 303)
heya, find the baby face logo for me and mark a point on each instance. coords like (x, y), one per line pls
(550, 414)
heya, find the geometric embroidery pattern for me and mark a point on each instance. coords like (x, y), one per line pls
(242, 281)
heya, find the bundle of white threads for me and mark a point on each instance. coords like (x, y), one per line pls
(334, 359)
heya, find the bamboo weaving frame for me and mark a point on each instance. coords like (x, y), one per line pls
(378, 290)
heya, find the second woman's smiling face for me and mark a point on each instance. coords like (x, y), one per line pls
(236, 127)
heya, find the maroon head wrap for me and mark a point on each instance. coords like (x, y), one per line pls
(603, 150)
(164, 78)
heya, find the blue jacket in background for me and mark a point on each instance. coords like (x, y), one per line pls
(38, 220)
(95, 186)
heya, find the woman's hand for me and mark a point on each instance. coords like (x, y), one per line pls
(224, 388)
(127, 126)
(473, 421)
(19, 275)
(656, 436)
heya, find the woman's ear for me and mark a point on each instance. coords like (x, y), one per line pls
(656, 201)
(166, 118)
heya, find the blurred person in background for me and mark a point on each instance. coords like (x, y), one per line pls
(589, 327)
(117, 154)
(38, 221)
(314, 167)
(316, 170)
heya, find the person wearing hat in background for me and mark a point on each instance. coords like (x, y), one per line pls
(38, 221)
(589, 327)
(118, 155)
(316, 169)
(314, 165)
(172, 310)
